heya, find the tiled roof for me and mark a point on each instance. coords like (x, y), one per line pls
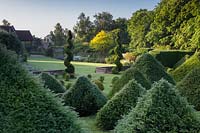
(7, 28)
(24, 35)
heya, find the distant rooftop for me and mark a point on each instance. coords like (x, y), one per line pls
(7, 28)
(24, 35)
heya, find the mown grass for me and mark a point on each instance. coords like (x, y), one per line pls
(81, 68)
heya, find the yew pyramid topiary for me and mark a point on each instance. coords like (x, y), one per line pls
(160, 110)
(152, 69)
(52, 83)
(25, 106)
(85, 97)
(180, 72)
(119, 105)
(189, 87)
(129, 74)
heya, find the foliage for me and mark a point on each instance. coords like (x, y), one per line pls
(161, 109)
(11, 42)
(176, 24)
(52, 83)
(68, 50)
(99, 84)
(119, 105)
(66, 76)
(138, 27)
(58, 35)
(129, 74)
(84, 28)
(189, 87)
(26, 106)
(130, 56)
(180, 72)
(85, 97)
(169, 58)
(102, 41)
(114, 80)
(103, 21)
(101, 78)
(152, 69)
(5, 22)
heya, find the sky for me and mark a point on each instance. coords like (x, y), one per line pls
(40, 16)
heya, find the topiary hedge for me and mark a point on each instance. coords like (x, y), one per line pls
(180, 72)
(51, 83)
(99, 84)
(25, 106)
(119, 105)
(131, 73)
(85, 97)
(152, 69)
(169, 58)
(189, 87)
(160, 110)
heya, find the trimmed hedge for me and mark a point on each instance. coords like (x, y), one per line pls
(85, 97)
(180, 72)
(129, 74)
(99, 84)
(189, 87)
(119, 105)
(160, 110)
(26, 106)
(52, 83)
(152, 69)
(171, 57)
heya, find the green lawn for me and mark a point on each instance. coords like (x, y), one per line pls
(81, 68)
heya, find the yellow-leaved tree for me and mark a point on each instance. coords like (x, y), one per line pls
(102, 41)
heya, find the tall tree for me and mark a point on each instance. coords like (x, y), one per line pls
(5, 22)
(138, 27)
(103, 21)
(121, 23)
(58, 35)
(84, 28)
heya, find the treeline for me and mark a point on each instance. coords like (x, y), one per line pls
(173, 24)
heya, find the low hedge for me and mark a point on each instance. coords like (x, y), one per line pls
(189, 87)
(180, 72)
(170, 57)
(119, 105)
(152, 69)
(26, 106)
(52, 83)
(160, 110)
(129, 74)
(84, 97)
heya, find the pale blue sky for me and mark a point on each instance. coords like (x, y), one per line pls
(40, 16)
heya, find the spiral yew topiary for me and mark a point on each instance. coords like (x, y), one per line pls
(52, 83)
(119, 105)
(129, 74)
(67, 60)
(85, 97)
(189, 87)
(152, 69)
(160, 110)
(26, 106)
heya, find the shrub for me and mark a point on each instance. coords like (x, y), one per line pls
(189, 87)
(129, 74)
(152, 69)
(160, 110)
(99, 84)
(89, 76)
(119, 105)
(66, 76)
(180, 72)
(101, 78)
(51, 83)
(115, 70)
(114, 80)
(11, 42)
(85, 97)
(26, 106)
(169, 58)
(68, 86)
